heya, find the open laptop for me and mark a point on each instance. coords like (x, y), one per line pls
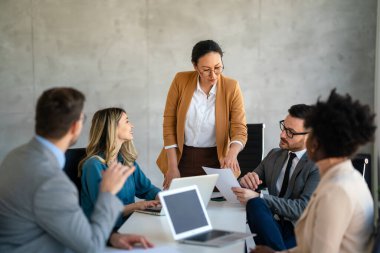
(205, 183)
(189, 222)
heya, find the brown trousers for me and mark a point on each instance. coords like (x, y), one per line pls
(194, 158)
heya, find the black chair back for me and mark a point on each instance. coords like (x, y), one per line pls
(362, 163)
(73, 157)
(252, 154)
(376, 243)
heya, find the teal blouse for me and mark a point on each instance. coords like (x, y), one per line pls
(137, 185)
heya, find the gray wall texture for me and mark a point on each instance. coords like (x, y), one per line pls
(126, 52)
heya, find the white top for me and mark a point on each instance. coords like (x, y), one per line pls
(295, 161)
(200, 120)
(339, 216)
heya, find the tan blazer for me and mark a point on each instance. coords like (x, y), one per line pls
(229, 114)
(339, 216)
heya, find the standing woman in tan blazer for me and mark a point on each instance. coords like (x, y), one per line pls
(339, 216)
(204, 118)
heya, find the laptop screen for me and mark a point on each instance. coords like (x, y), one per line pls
(205, 184)
(185, 211)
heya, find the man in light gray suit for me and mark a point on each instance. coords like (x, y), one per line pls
(290, 178)
(39, 209)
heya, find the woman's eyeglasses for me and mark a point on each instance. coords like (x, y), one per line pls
(217, 71)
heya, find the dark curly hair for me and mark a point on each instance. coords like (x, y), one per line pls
(341, 125)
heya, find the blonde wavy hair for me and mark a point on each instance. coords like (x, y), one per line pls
(103, 136)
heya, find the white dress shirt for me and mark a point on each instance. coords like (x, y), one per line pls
(200, 119)
(295, 161)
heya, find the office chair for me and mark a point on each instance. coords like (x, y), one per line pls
(73, 157)
(360, 161)
(252, 154)
(376, 243)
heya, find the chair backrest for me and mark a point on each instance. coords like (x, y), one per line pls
(376, 243)
(361, 162)
(73, 157)
(252, 154)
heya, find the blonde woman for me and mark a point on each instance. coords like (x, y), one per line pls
(111, 141)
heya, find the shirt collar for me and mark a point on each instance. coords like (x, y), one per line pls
(212, 91)
(300, 153)
(54, 149)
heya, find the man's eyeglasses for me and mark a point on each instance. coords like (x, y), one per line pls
(217, 71)
(290, 133)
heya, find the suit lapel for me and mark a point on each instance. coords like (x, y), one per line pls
(279, 163)
(297, 170)
(220, 116)
(184, 103)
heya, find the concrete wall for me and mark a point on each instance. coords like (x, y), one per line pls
(126, 52)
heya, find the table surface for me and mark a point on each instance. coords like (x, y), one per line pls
(222, 215)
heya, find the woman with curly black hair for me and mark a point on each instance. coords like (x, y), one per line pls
(339, 216)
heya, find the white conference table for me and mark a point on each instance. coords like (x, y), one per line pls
(156, 228)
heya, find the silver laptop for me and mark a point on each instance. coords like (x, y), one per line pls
(189, 222)
(205, 183)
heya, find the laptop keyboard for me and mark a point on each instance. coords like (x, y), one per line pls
(156, 209)
(207, 236)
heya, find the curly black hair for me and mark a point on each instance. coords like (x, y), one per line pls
(341, 124)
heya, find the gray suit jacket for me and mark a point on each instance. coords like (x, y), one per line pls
(39, 209)
(301, 185)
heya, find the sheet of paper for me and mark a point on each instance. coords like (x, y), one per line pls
(225, 182)
(157, 249)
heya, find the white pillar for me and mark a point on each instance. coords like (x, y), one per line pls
(376, 146)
